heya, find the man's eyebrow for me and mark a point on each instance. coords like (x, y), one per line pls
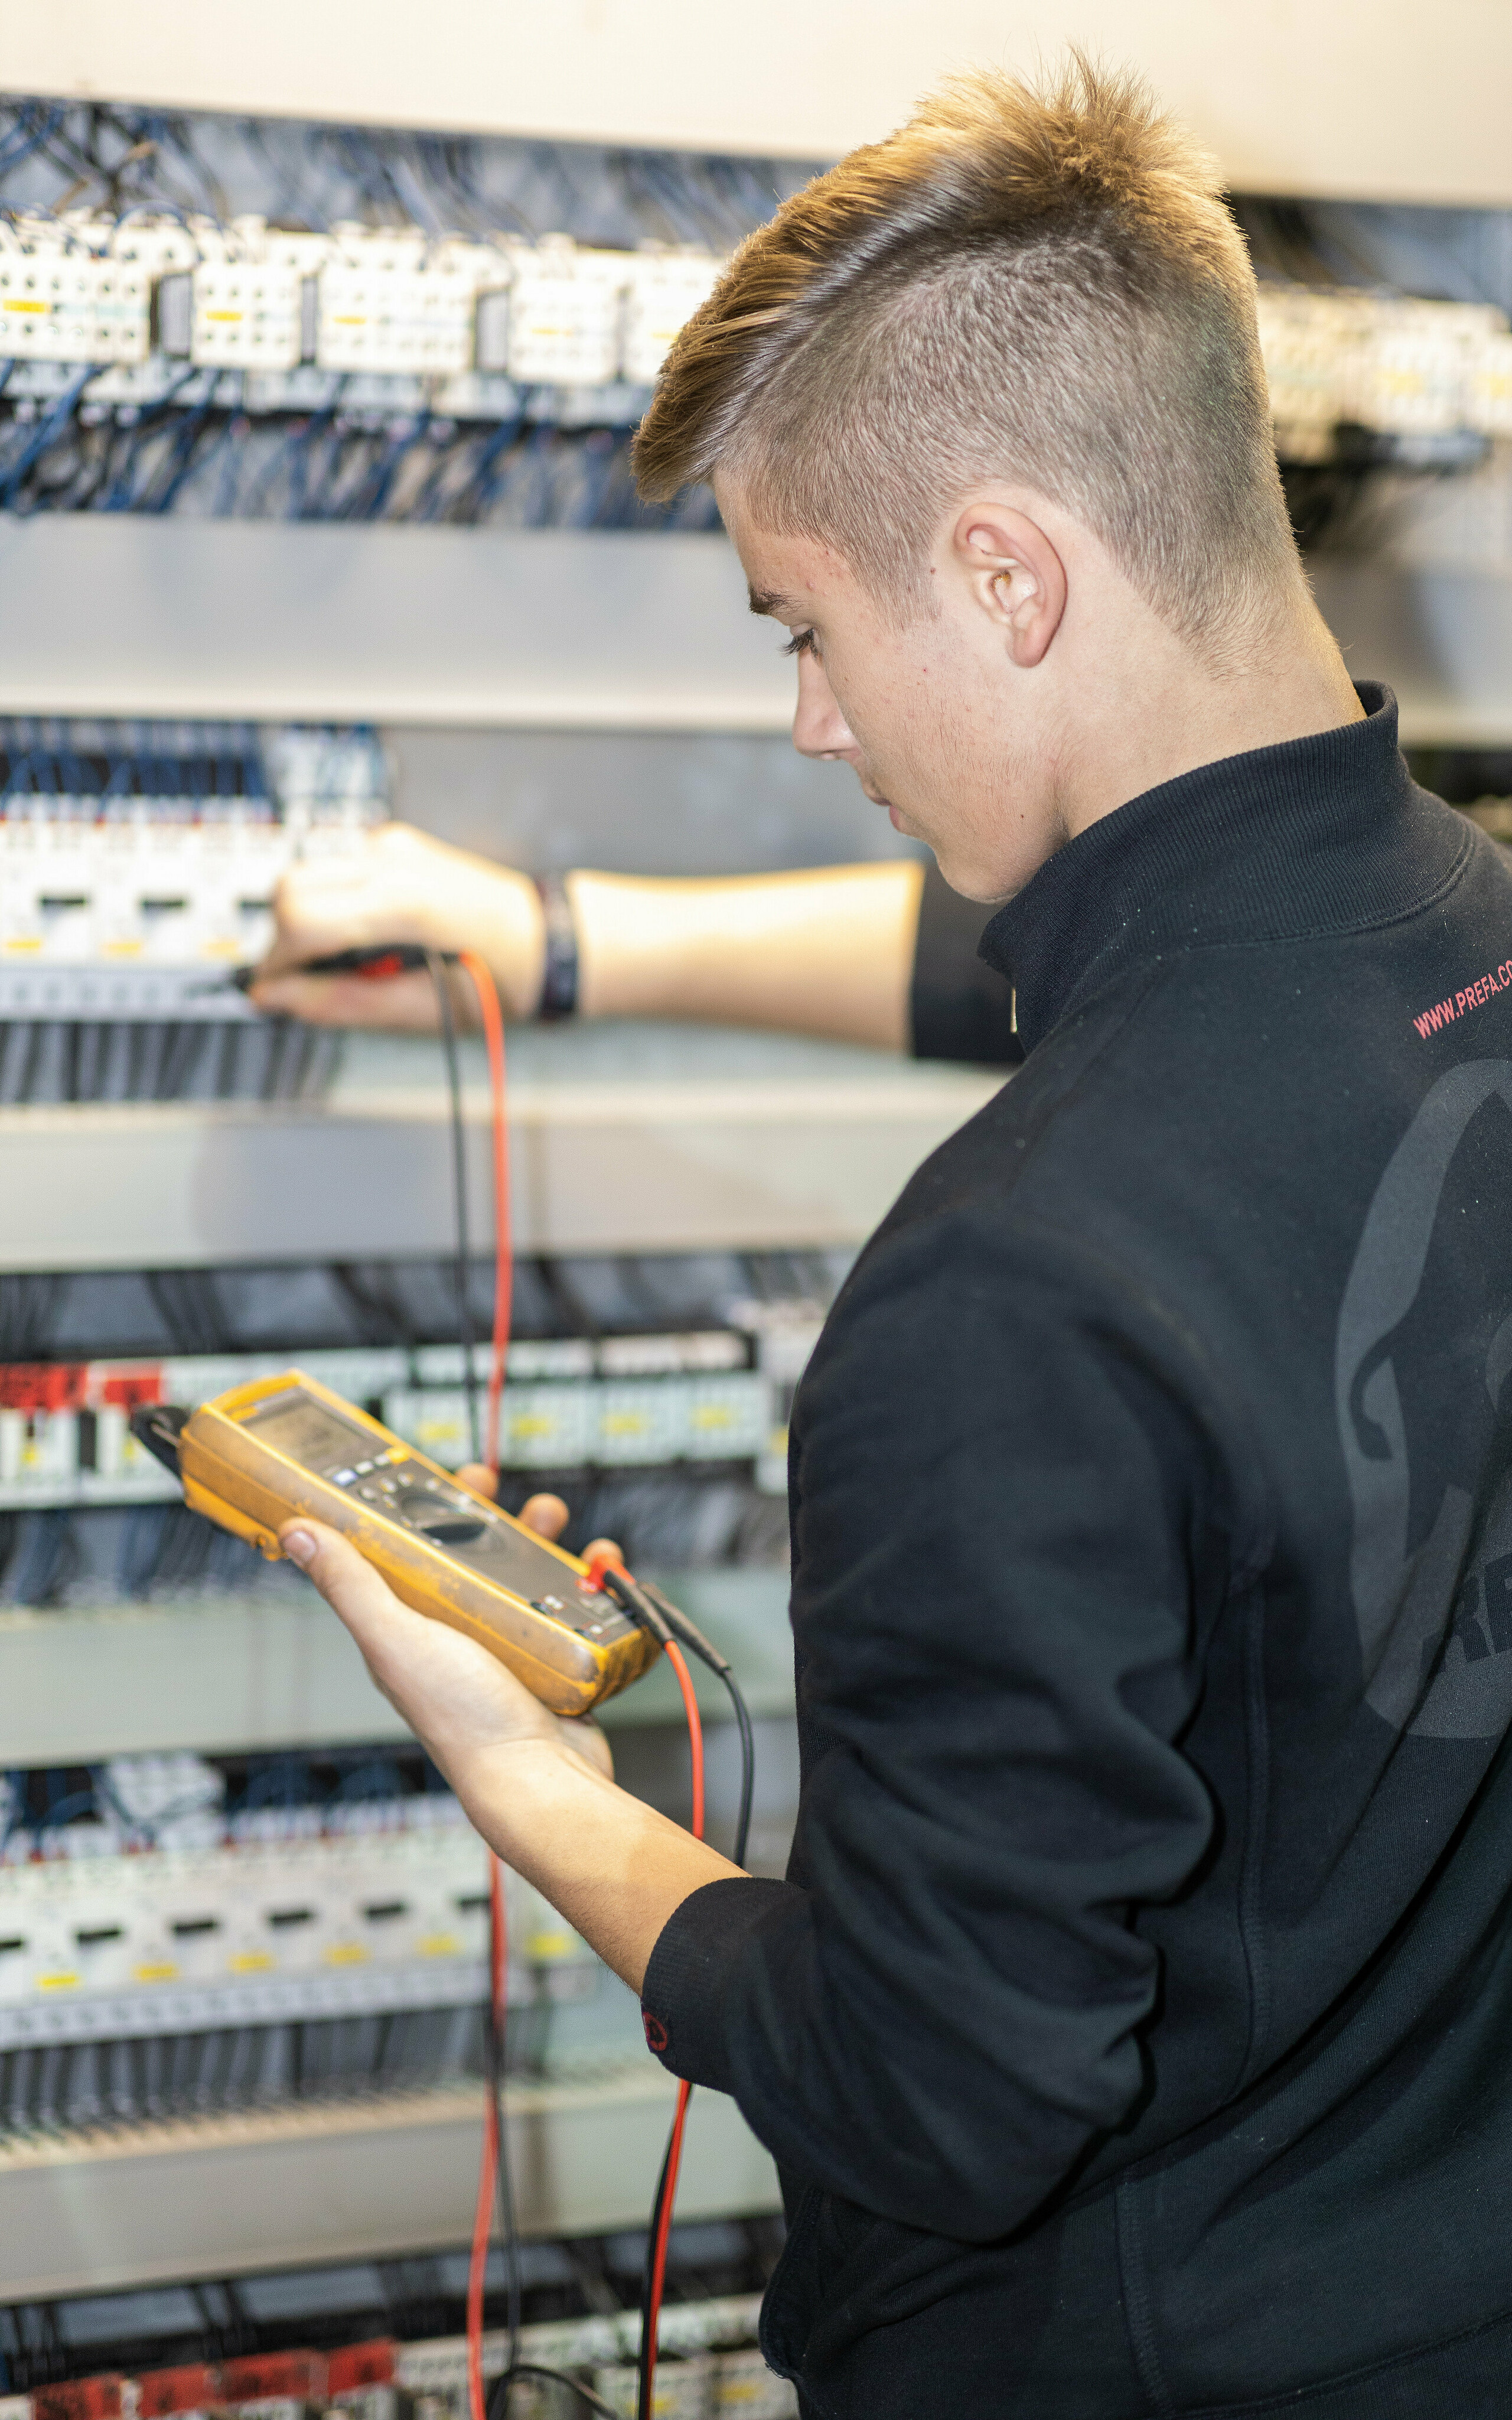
(781, 609)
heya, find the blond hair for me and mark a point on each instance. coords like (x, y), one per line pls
(1036, 284)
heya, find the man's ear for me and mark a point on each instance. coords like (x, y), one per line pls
(1014, 576)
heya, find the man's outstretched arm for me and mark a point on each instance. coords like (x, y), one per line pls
(829, 952)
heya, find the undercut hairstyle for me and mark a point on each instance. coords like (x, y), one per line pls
(1042, 285)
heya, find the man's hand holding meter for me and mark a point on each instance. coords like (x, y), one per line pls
(539, 1787)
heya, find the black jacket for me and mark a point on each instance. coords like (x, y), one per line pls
(1134, 2026)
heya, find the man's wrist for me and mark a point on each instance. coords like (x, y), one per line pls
(505, 1778)
(512, 941)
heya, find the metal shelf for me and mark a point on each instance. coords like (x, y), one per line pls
(626, 1166)
(556, 629)
(83, 2213)
(276, 1669)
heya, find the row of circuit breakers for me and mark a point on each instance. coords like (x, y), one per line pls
(144, 302)
(142, 296)
(289, 1914)
(716, 1395)
(710, 2369)
(136, 877)
(166, 1955)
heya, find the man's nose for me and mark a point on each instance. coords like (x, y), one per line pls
(819, 728)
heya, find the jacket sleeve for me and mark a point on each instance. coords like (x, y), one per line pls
(1002, 1491)
(959, 1007)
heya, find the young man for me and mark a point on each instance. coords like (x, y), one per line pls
(1132, 2027)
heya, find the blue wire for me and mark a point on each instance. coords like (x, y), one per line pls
(369, 503)
(9, 160)
(120, 499)
(182, 450)
(62, 1809)
(52, 428)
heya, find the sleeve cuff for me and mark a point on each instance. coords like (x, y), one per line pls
(682, 1999)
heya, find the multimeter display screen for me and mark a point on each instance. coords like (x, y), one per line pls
(309, 1433)
(320, 1440)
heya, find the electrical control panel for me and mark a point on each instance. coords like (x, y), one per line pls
(57, 303)
(138, 868)
(641, 1401)
(247, 315)
(387, 1914)
(421, 316)
(398, 319)
(564, 315)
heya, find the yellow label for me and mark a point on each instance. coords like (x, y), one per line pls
(236, 316)
(535, 1425)
(250, 1962)
(162, 1971)
(26, 942)
(18, 305)
(438, 1944)
(345, 1954)
(711, 1416)
(221, 949)
(625, 1423)
(120, 949)
(57, 1983)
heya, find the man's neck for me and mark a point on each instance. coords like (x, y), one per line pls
(1175, 715)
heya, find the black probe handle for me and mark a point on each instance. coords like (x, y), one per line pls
(375, 959)
(158, 1426)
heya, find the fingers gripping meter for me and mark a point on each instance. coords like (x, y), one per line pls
(256, 1458)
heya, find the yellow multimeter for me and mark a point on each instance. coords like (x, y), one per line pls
(255, 1459)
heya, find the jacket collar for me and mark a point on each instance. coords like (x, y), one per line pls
(1326, 833)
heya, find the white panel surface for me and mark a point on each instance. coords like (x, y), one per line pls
(221, 2196)
(650, 1166)
(119, 614)
(1370, 98)
(276, 1669)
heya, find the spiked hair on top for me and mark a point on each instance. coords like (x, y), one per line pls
(1036, 284)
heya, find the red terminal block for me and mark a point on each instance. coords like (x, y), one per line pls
(192, 2387)
(363, 2364)
(76, 1386)
(84, 2398)
(256, 2378)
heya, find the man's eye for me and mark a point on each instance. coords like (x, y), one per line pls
(801, 643)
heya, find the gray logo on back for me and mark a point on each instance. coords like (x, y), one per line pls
(1460, 1574)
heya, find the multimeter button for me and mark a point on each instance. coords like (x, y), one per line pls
(363, 1467)
(342, 1478)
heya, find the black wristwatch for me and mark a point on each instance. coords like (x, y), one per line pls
(559, 978)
